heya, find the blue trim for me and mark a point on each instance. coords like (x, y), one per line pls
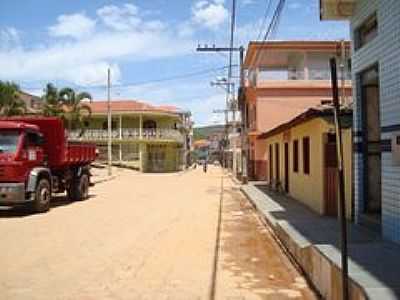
(386, 146)
(391, 128)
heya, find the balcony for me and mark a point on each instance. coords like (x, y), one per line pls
(128, 134)
(284, 78)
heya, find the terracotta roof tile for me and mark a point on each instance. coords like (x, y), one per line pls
(130, 106)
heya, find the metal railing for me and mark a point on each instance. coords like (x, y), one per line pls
(127, 134)
(282, 74)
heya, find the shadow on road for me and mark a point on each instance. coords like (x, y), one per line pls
(24, 211)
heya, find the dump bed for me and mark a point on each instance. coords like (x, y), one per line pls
(59, 151)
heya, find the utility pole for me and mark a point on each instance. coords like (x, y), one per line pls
(109, 145)
(343, 71)
(240, 49)
(342, 202)
(243, 132)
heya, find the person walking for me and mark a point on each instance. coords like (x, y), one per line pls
(205, 166)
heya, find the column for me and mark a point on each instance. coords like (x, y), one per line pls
(120, 138)
(140, 126)
(141, 145)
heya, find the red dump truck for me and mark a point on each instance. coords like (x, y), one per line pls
(36, 161)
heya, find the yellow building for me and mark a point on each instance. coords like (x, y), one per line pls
(302, 162)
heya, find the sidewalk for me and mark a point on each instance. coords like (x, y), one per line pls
(313, 241)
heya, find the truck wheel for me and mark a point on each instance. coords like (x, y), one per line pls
(42, 199)
(79, 189)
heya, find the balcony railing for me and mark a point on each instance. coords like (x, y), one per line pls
(293, 75)
(127, 134)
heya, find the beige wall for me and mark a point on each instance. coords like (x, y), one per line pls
(309, 188)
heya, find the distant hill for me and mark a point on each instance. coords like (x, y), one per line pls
(200, 133)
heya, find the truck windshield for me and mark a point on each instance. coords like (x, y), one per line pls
(8, 141)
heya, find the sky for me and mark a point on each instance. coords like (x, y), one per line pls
(149, 46)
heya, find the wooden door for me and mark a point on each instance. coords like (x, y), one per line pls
(373, 149)
(286, 167)
(277, 165)
(331, 178)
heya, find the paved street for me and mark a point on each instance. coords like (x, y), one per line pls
(143, 236)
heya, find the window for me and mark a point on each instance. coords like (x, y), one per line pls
(306, 155)
(8, 141)
(366, 32)
(33, 139)
(295, 156)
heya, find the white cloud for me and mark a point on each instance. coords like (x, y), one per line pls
(75, 25)
(85, 61)
(209, 13)
(121, 18)
(9, 37)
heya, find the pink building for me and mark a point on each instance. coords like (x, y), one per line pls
(284, 79)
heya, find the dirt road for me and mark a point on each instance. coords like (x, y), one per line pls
(146, 237)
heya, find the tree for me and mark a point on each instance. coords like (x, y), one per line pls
(10, 102)
(74, 111)
(52, 106)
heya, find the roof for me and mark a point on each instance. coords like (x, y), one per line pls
(32, 102)
(300, 45)
(325, 112)
(126, 106)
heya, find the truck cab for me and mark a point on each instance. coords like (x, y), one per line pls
(36, 160)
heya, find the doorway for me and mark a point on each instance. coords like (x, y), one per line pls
(277, 167)
(371, 143)
(331, 176)
(286, 183)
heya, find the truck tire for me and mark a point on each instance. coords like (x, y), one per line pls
(79, 190)
(42, 197)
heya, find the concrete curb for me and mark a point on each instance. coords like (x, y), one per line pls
(319, 262)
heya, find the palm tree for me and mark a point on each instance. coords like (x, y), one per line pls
(10, 103)
(75, 112)
(52, 106)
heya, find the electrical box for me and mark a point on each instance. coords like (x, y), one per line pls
(396, 148)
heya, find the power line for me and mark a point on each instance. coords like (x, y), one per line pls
(137, 83)
(264, 22)
(271, 29)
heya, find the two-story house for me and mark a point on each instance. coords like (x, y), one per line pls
(147, 137)
(284, 79)
(375, 34)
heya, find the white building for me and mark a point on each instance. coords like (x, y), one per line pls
(375, 31)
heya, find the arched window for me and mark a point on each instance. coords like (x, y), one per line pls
(149, 124)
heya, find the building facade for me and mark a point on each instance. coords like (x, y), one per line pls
(284, 79)
(375, 33)
(147, 137)
(303, 161)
